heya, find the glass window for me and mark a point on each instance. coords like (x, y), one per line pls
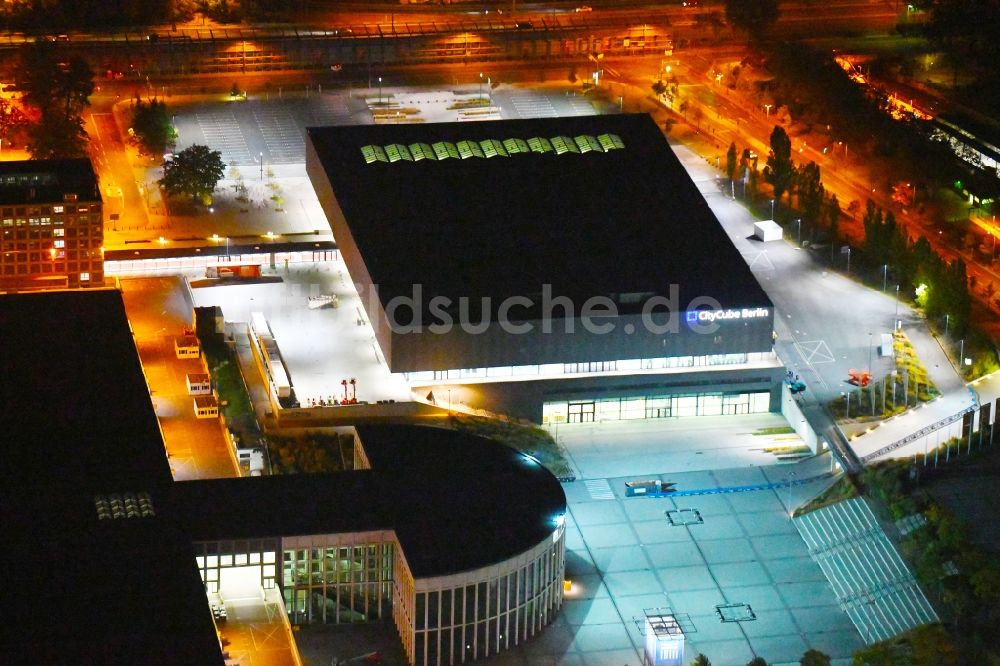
(710, 405)
(686, 405)
(555, 412)
(633, 408)
(446, 618)
(432, 609)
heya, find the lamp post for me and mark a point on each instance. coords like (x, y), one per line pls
(791, 477)
(480, 87)
(798, 226)
(885, 276)
(895, 317)
(767, 110)
(772, 209)
(227, 248)
(262, 165)
(848, 259)
(947, 320)
(961, 354)
(380, 91)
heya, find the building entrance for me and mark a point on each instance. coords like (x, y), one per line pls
(581, 412)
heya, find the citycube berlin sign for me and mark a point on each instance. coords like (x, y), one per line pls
(717, 316)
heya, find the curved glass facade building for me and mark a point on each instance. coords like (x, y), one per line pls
(477, 614)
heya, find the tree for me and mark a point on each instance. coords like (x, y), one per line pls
(51, 85)
(152, 126)
(780, 171)
(753, 16)
(757, 661)
(57, 136)
(969, 32)
(811, 194)
(814, 658)
(11, 118)
(831, 212)
(194, 171)
(701, 660)
(731, 163)
(58, 91)
(753, 179)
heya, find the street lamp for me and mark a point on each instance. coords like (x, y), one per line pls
(767, 109)
(380, 91)
(870, 337)
(262, 165)
(947, 320)
(772, 209)
(885, 276)
(798, 226)
(848, 259)
(480, 87)
(791, 478)
(227, 248)
(895, 317)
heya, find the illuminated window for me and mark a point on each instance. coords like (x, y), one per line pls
(422, 151)
(397, 151)
(539, 144)
(57, 209)
(564, 144)
(514, 146)
(587, 143)
(610, 141)
(373, 154)
(445, 149)
(467, 149)
(492, 148)
(59, 243)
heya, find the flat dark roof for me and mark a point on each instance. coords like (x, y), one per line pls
(77, 423)
(440, 490)
(625, 221)
(47, 181)
(80, 433)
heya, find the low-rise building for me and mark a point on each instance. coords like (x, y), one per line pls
(199, 384)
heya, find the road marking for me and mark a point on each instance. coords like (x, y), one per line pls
(599, 489)
(760, 260)
(815, 351)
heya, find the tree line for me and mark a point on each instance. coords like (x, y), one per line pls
(939, 286)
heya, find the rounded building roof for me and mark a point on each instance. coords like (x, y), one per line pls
(457, 502)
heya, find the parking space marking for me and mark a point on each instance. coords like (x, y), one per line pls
(815, 351)
(581, 107)
(282, 134)
(327, 110)
(222, 132)
(533, 106)
(599, 489)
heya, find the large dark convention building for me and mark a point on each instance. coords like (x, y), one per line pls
(564, 269)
